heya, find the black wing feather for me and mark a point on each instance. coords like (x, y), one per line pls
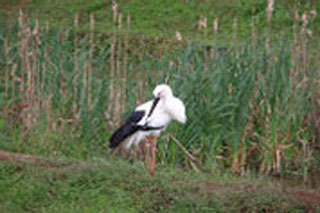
(127, 129)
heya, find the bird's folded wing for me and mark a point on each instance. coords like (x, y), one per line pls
(127, 129)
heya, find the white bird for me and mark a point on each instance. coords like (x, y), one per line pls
(149, 120)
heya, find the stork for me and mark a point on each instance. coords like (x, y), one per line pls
(149, 120)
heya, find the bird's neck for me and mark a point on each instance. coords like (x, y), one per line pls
(166, 100)
(167, 97)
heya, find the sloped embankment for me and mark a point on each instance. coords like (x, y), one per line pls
(31, 183)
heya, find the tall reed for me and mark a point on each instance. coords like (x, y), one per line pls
(249, 107)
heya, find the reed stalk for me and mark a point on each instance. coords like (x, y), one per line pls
(14, 80)
(269, 11)
(205, 46)
(90, 72)
(7, 62)
(215, 29)
(62, 76)
(125, 65)
(25, 90)
(112, 67)
(84, 86)
(35, 72)
(118, 80)
(295, 47)
(21, 21)
(44, 64)
(253, 30)
(76, 69)
(38, 42)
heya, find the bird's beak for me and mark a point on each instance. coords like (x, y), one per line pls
(154, 104)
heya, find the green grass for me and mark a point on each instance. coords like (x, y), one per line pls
(161, 19)
(112, 185)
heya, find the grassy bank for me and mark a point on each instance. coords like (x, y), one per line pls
(112, 185)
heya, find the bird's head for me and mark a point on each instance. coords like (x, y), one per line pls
(162, 91)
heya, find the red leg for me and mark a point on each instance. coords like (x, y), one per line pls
(153, 160)
(147, 144)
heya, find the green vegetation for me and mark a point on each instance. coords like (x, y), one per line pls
(249, 107)
(251, 93)
(161, 19)
(110, 185)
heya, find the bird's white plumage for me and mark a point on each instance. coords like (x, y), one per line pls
(177, 110)
(168, 108)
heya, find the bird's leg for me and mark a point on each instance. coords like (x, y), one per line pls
(147, 144)
(153, 160)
